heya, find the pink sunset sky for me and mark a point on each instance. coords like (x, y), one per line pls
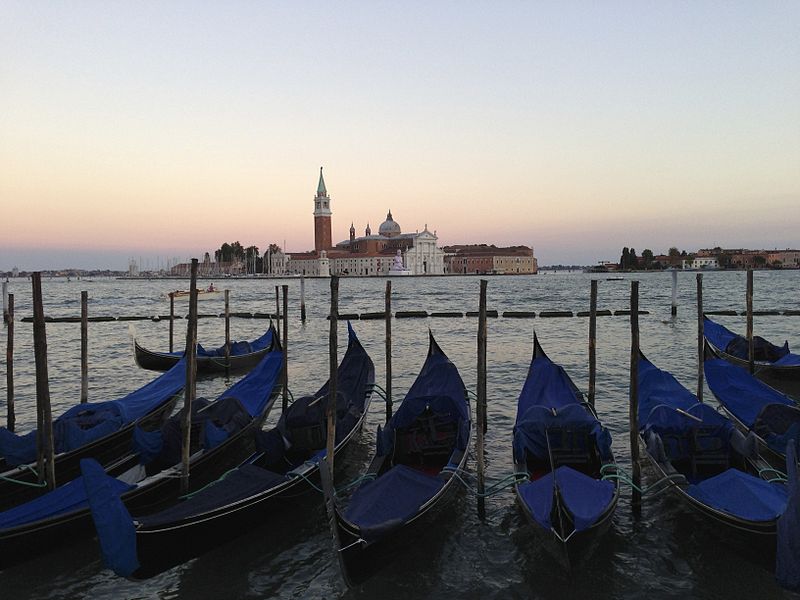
(161, 131)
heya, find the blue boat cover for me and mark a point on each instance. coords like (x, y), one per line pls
(584, 497)
(737, 345)
(389, 501)
(237, 348)
(112, 520)
(254, 389)
(787, 563)
(742, 495)
(86, 423)
(547, 385)
(64, 499)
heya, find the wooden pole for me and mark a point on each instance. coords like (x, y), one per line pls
(45, 454)
(227, 332)
(592, 341)
(700, 336)
(84, 347)
(191, 379)
(333, 364)
(11, 418)
(633, 414)
(388, 319)
(750, 347)
(674, 292)
(5, 302)
(302, 299)
(171, 317)
(278, 310)
(285, 370)
(481, 408)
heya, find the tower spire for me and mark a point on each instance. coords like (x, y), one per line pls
(321, 191)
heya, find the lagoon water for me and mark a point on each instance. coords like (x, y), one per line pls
(663, 552)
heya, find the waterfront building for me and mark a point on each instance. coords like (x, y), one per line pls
(489, 259)
(701, 262)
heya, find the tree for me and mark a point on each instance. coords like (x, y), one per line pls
(647, 257)
(624, 260)
(634, 261)
(673, 252)
(759, 260)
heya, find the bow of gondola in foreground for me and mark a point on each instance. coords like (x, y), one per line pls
(268, 485)
(572, 489)
(412, 473)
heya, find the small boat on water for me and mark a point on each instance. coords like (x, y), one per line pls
(413, 471)
(712, 466)
(753, 406)
(268, 485)
(149, 479)
(243, 355)
(774, 365)
(571, 490)
(101, 430)
(202, 294)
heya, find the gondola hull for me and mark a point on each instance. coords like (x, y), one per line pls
(163, 361)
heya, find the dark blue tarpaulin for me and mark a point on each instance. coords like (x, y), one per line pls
(584, 497)
(737, 345)
(547, 385)
(742, 495)
(86, 423)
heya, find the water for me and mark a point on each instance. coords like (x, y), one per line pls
(666, 551)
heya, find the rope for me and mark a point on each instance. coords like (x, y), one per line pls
(27, 483)
(781, 476)
(208, 485)
(623, 476)
(495, 488)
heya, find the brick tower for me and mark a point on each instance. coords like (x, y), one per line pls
(322, 217)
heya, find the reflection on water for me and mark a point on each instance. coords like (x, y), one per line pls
(664, 552)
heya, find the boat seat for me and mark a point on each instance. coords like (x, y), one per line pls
(573, 448)
(429, 437)
(710, 453)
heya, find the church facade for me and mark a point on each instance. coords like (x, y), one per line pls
(369, 255)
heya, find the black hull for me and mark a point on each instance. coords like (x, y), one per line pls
(107, 450)
(783, 379)
(163, 361)
(35, 539)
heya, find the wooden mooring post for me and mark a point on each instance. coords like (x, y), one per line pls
(5, 302)
(285, 369)
(480, 411)
(11, 418)
(633, 413)
(333, 363)
(191, 380)
(45, 458)
(171, 318)
(302, 299)
(388, 319)
(674, 292)
(592, 341)
(750, 346)
(700, 337)
(227, 333)
(84, 347)
(278, 310)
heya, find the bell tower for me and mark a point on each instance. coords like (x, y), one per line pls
(322, 217)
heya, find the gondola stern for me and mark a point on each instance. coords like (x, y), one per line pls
(115, 527)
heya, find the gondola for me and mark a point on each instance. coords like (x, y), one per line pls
(101, 430)
(243, 356)
(222, 435)
(412, 473)
(571, 490)
(753, 406)
(712, 466)
(284, 469)
(774, 365)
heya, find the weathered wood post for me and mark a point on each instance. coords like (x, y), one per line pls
(674, 292)
(700, 337)
(333, 364)
(44, 434)
(285, 370)
(278, 310)
(633, 414)
(302, 299)
(227, 332)
(191, 380)
(5, 302)
(592, 341)
(388, 319)
(84, 347)
(481, 408)
(171, 317)
(750, 346)
(11, 418)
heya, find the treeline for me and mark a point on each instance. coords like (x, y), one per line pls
(647, 261)
(254, 262)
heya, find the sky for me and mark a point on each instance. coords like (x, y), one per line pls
(156, 131)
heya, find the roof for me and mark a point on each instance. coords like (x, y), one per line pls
(321, 191)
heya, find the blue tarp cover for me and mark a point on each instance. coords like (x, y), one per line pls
(584, 497)
(739, 392)
(389, 501)
(86, 423)
(255, 388)
(548, 385)
(66, 498)
(237, 348)
(737, 345)
(742, 495)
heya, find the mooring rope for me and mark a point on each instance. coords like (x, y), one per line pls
(495, 488)
(26, 483)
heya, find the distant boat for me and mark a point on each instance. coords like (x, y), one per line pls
(201, 294)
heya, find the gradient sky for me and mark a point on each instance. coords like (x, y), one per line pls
(162, 129)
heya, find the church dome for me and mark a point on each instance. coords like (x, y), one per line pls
(389, 227)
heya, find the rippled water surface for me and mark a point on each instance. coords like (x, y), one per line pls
(663, 552)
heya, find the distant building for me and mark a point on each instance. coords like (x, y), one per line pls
(482, 259)
(701, 262)
(784, 259)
